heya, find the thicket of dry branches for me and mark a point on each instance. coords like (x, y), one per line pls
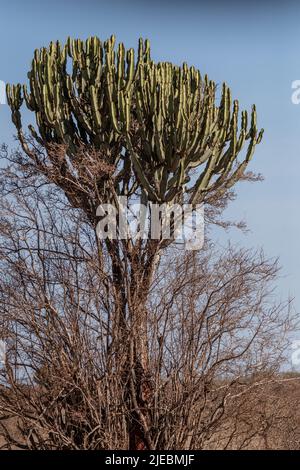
(215, 336)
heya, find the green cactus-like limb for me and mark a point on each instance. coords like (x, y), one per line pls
(165, 117)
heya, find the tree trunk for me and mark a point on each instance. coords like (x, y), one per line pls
(132, 342)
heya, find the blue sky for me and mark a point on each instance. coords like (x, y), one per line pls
(253, 48)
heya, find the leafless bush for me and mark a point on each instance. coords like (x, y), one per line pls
(212, 332)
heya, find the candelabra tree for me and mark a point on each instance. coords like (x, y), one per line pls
(109, 124)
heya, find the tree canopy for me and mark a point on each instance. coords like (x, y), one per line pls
(158, 124)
